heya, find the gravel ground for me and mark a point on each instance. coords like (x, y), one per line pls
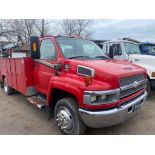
(19, 117)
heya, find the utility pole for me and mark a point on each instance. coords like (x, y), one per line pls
(43, 27)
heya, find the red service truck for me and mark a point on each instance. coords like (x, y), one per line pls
(73, 80)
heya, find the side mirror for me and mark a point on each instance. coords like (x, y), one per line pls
(57, 66)
(111, 52)
(35, 47)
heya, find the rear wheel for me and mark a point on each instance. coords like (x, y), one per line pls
(67, 117)
(1, 85)
(8, 90)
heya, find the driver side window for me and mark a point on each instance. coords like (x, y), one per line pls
(47, 49)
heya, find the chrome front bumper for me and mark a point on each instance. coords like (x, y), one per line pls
(105, 118)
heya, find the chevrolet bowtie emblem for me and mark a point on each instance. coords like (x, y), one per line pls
(135, 84)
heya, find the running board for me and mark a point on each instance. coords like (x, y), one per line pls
(37, 101)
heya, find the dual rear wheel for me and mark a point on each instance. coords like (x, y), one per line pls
(7, 89)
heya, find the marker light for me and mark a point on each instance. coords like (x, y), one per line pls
(34, 47)
(88, 80)
(153, 74)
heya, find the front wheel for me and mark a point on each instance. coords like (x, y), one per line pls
(8, 90)
(67, 117)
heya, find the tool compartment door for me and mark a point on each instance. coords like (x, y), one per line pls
(8, 72)
(11, 61)
(20, 75)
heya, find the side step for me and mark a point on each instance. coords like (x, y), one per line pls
(37, 101)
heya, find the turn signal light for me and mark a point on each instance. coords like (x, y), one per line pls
(88, 80)
(153, 74)
(34, 47)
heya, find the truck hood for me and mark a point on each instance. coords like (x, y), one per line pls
(118, 68)
(109, 71)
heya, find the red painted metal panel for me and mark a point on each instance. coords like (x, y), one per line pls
(20, 75)
(42, 76)
(29, 68)
(13, 73)
(8, 75)
(18, 72)
(2, 66)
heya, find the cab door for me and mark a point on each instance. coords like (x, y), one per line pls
(44, 67)
(118, 54)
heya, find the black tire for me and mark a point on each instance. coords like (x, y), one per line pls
(148, 87)
(1, 85)
(8, 90)
(77, 127)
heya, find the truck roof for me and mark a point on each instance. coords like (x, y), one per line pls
(119, 41)
(147, 43)
(64, 36)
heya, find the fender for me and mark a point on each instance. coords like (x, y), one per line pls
(149, 68)
(74, 87)
(145, 61)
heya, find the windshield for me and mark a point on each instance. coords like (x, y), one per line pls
(132, 48)
(73, 48)
(147, 49)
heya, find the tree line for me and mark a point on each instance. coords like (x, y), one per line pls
(22, 29)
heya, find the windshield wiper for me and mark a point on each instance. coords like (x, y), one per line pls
(80, 56)
(102, 57)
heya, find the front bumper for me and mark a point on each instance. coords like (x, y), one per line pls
(105, 118)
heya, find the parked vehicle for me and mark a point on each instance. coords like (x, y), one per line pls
(72, 78)
(128, 49)
(147, 48)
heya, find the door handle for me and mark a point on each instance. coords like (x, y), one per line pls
(136, 59)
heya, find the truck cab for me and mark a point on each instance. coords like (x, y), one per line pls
(72, 78)
(129, 50)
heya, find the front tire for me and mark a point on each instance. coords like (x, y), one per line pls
(67, 117)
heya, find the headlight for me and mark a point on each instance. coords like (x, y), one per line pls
(101, 97)
(97, 98)
(93, 98)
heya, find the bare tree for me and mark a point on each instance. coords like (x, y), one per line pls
(5, 28)
(23, 29)
(46, 26)
(80, 27)
(69, 26)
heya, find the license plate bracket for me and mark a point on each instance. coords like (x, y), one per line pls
(136, 107)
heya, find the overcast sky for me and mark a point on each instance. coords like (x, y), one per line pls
(143, 30)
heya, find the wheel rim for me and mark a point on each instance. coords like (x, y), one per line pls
(5, 87)
(64, 120)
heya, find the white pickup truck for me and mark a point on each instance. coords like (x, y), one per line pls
(128, 50)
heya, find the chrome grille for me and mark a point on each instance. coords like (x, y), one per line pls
(131, 85)
(132, 79)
